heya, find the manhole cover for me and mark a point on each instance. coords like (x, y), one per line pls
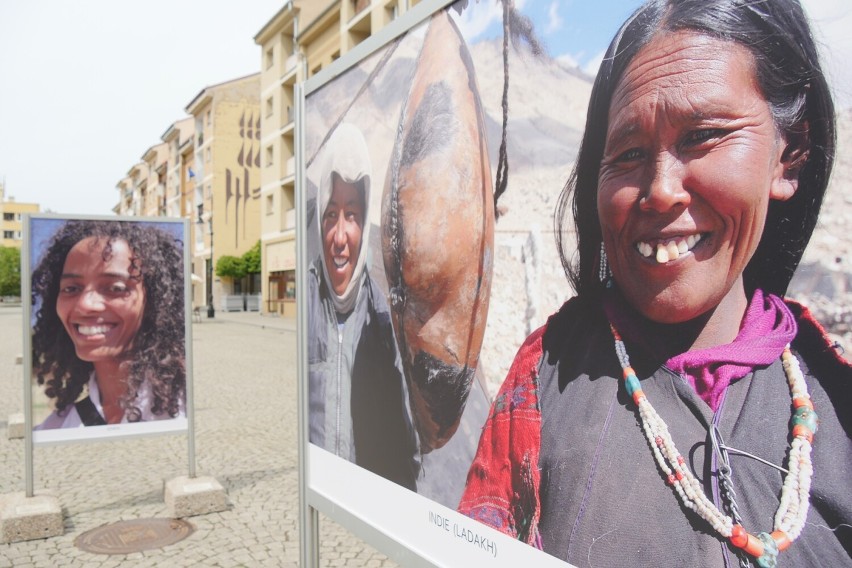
(134, 536)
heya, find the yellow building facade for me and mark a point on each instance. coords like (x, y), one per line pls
(12, 218)
(304, 37)
(227, 186)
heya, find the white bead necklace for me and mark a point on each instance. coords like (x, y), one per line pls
(795, 492)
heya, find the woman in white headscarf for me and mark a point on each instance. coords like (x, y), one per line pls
(356, 393)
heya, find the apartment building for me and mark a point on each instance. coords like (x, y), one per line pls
(180, 176)
(226, 189)
(133, 191)
(11, 218)
(304, 37)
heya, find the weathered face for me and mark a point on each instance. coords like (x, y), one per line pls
(342, 224)
(100, 302)
(692, 159)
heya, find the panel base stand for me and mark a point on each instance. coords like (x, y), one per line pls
(187, 497)
(29, 518)
(15, 426)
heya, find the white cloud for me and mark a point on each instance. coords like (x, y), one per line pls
(832, 20)
(554, 20)
(477, 18)
(479, 15)
(592, 65)
(568, 60)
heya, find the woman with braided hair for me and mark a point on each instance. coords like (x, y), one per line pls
(108, 340)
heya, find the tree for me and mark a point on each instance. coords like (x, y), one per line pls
(230, 266)
(251, 259)
(10, 271)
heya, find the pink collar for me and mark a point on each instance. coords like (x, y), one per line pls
(767, 326)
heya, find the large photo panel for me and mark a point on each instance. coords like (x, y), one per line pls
(425, 270)
(107, 326)
(434, 155)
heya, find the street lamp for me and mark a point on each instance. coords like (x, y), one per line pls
(211, 311)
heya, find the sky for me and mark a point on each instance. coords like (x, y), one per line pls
(86, 87)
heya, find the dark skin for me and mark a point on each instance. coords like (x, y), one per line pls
(692, 159)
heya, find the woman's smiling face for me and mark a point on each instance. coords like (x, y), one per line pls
(101, 302)
(692, 159)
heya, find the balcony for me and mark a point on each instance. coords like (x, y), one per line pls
(290, 220)
(290, 63)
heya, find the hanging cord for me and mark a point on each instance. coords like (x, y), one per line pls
(519, 29)
(503, 161)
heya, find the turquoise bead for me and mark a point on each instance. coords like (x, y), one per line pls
(632, 384)
(769, 558)
(806, 417)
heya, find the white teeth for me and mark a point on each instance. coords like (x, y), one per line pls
(340, 262)
(668, 251)
(93, 329)
(673, 250)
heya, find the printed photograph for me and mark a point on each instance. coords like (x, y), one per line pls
(552, 290)
(108, 325)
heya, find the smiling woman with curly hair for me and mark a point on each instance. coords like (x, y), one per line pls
(110, 321)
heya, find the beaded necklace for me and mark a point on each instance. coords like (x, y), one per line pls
(795, 492)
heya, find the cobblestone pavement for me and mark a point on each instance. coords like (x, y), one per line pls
(245, 403)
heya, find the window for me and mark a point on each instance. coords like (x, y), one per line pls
(269, 155)
(290, 284)
(8, 217)
(269, 57)
(8, 234)
(269, 203)
(269, 107)
(208, 155)
(209, 118)
(282, 285)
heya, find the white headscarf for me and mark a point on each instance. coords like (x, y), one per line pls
(346, 155)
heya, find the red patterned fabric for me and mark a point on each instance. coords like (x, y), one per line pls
(502, 488)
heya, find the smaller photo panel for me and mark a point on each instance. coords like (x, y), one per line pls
(107, 327)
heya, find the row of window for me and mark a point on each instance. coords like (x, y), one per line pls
(11, 216)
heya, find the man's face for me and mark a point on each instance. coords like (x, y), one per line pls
(342, 223)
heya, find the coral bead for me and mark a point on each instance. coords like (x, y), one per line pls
(739, 536)
(753, 547)
(801, 431)
(781, 539)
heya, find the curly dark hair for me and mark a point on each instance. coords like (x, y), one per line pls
(157, 354)
(787, 67)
